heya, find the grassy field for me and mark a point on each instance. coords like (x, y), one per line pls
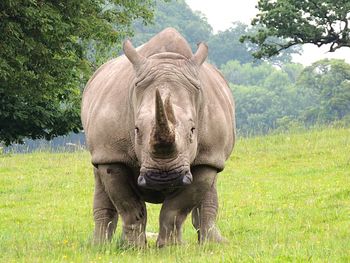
(282, 198)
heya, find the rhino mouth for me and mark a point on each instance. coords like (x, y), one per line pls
(159, 179)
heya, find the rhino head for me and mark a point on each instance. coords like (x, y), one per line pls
(166, 100)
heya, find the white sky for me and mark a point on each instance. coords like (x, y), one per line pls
(221, 14)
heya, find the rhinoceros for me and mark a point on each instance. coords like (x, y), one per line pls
(159, 124)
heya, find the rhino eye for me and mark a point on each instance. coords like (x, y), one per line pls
(193, 129)
(136, 130)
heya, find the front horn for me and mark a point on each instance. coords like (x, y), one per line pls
(163, 134)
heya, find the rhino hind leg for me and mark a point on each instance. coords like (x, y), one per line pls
(204, 218)
(116, 181)
(175, 209)
(105, 214)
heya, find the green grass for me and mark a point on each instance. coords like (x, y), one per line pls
(282, 198)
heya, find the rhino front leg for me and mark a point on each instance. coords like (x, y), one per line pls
(204, 218)
(117, 181)
(175, 209)
(105, 214)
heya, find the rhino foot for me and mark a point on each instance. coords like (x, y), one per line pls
(104, 230)
(134, 238)
(211, 235)
(161, 242)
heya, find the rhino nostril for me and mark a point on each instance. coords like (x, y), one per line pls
(187, 179)
(141, 181)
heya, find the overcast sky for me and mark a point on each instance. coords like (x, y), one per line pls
(221, 14)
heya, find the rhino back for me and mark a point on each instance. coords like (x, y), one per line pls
(216, 135)
(168, 40)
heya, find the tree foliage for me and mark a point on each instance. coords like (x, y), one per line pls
(326, 85)
(318, 22)
(43, 60)
(225, 46)
(269, 98)
(263, 93)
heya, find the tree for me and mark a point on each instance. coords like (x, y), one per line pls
(264, 95)
(225, 46)
(246, 74)
(326, 85)
(318, 22)
(43, 60)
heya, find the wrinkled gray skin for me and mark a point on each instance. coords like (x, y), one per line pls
(159, 124)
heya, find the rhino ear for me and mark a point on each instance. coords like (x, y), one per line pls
(130, 52)
(201, 54)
